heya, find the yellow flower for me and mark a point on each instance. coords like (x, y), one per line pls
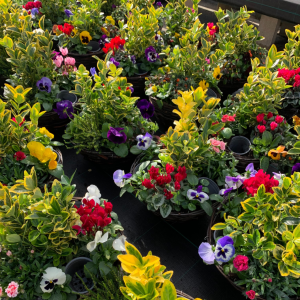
(217, 73)
(110, 20)
(276, 154)
(154, 89)
(85, 37)
(47, 155)
(204, 85)
(52, 164)
(74, 32)
(177, 35)
(167, 69)
(44, 131)
(105, 31)
(296, 120)
(36, 149)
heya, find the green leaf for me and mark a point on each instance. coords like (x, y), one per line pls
(13, 238)
(192, 179)
(135, 150)
(267, 138)
(227, 133)
(165, 210)
(104, 268)
(58, 172)
(264, 163)
(33, 235)
(168, 291)
(291, 221)
(121, 150)
(206, 206)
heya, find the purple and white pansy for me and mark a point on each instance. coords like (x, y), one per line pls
(223, 252)
(144, 141)
(250, 171)
(197, 194)
(119, 177)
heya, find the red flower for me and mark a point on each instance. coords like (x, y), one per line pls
(270, 115)
(261, 128)
(79, 230)
(29, 5)
(270, 280)
(264, 122)
(251, 294)
(119, 88)
(37, 4)
(168, 194)
(181, 174)
(66, 29)
(169, 169)
(286, 74)
(108, 207)
(154, 172)
(279, 119)
(14, 119)
(147, 184)
(19, 155)
(252, 184)
(273, 125)
(227, 118)
(163, 179)
(114, 44)
(177, 186)
(260, 117)
(240, 262)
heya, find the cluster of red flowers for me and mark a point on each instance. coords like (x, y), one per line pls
(227, 118)
(66, 29)
(30, 5)
(114, 44)
(19, 155)
(162, 180)
(212, 29)
(260, 118)
(289, 75)
(93, 216)
(252, 184)
(14, 119)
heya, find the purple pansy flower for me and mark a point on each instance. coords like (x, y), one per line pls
(114, 6)
(133, 59)
(144, 141)
(64, 109)
(93, 71)
(151, 54)
(131, 89)
(278, 176)
(68, 13)
(44, 85)
(234, 182)
(250, 170)
(158, 4)
(103, 40)
(55, 54)
(295, 168)
(34, 11)
(146, 108)
(116, 136)
(197, 195)
(225, 192)
(206, 253)
(224, 249)
(114, 62)
(119, 177)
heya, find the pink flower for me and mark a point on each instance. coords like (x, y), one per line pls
(261, 128)
(70, 61)
(12, 290)
(216, 149)
(222, 146)
(273, 125)
(58, 61)
(32, 251)
(8, 253)
(279, 119)
(63, 51)
(207, 60)
(65, 73)
(241, 263)
(1, 291)
(270, 280)
(20, 267)
(214, 142)
(251, 294)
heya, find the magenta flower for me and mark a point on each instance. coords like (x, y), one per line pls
(116, 136)
(64, 109)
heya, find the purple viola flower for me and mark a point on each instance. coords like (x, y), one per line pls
(34, 11)
(250, 170)
(146, 108)
(131, 89)
(64, 109)
(295, 168)
(68, 13)
(114, 62)
(44, 85)
(103, 40)
(151, 54)
(224, 249)
(234, 182)
(278, 176)
(225, 192)
(133, 59)
(156, 37)
(144, 141)
(119, 177)
(197, 194)
(93, 71)
(114, 6)
(55, 54)
(158, 4)
(116, 136)
(206, 253)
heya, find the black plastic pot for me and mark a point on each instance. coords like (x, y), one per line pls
(212, 187)
(211, 94)
(141, 71)
(95, 46)
(239, 145)
(66, 95)
(76, 265)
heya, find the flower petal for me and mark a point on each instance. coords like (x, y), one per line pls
(91, 246)
(189, 194)
(104, 238)
(206, 253)
(119, 243)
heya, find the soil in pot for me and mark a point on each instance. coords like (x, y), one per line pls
(76, 283)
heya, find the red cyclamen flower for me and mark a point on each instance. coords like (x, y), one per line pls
(251, 294)
(154, 172)
(261, 128)
(279, 119)
(147, 184)
(273, 125)
(240, 262)
(168, 194)
(19, 155)
(169, 169)
(260, 118)
(177, 185)
(270, 115)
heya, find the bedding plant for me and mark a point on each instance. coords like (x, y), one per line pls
(258, 248)
(110, 117)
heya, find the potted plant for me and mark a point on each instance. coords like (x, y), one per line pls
(109, 116)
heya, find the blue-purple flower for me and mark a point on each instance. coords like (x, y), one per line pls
(68, 13)
(133, 59)
(295, 168)
(34, 11)
(114, 6)
(114, 62)
(250, 171)
(116, 136)
(224, 249)
(225, 192)
(131, 89)
(234, 182)
(44, 85)
(146, 108)
(151, 54)
(144, 141)
(158, 4)
(197, 194)
(206, 252)
(93, 71)
(64, 109)
(103, 40)
(278, 176)
(119, 177)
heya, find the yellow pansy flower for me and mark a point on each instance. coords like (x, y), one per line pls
(204, 85)
(36, 149)
(110, 20)
(167, 69)
(276, 154)
(74, 32)
(52, 165)
(217, 73)
(177, 35)
(44, 131)
(105, 31)
(296, 120)
(85, 37)
(154, 89)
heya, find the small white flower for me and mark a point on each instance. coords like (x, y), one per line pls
(93, 193)
(197, 194)
(144, 141)
(38, 31)
(91, 246)
(119, 243)
(51, 277)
